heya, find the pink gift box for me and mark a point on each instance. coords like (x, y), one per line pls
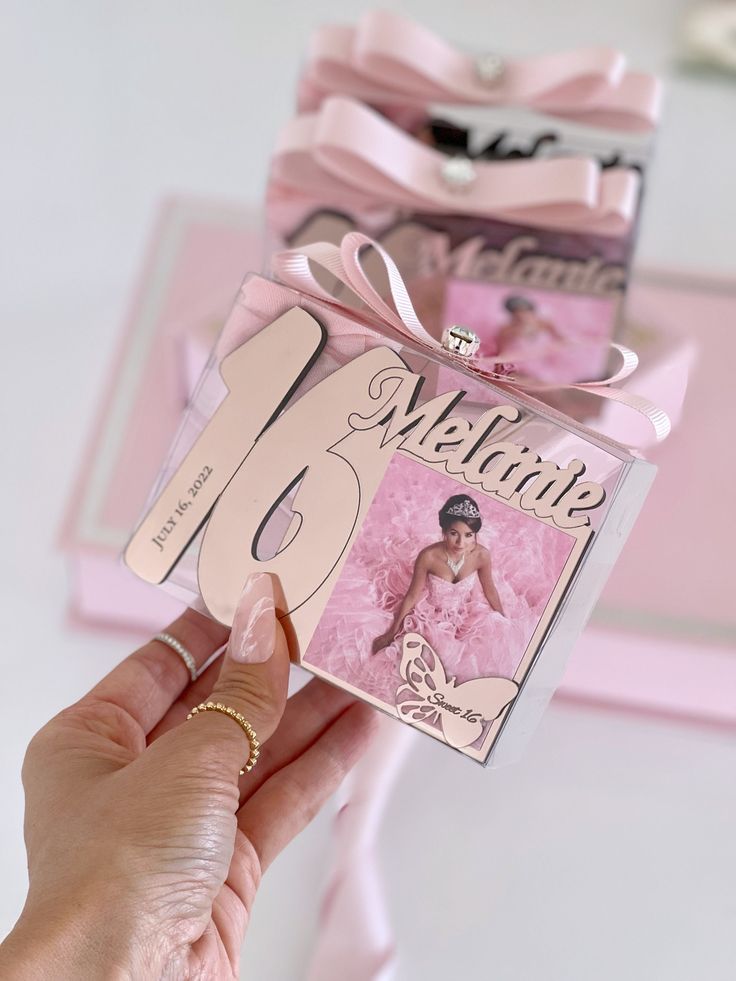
(336, 590)
(661, 639)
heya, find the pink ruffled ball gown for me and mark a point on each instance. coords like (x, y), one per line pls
(470, 638)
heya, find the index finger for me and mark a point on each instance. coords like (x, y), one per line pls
(148, 682)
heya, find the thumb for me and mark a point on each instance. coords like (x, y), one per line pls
(253, 681)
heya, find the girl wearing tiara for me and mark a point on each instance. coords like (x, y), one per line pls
(445, 574)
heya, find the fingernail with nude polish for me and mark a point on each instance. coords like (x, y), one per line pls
(253, 634)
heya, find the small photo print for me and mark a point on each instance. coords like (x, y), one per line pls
(470, 575)
(549, 335)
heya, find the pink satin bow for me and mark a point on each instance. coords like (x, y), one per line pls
(388, 59)
(349, 153)
(292, 267)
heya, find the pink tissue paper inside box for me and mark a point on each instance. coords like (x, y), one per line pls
(654, 642)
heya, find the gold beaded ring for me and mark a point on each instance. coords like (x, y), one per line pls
(242, 722)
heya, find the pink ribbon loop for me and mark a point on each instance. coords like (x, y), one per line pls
(389, 59)
(292, 267)
(398, 317)
(351, 153)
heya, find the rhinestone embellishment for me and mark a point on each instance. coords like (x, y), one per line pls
(460, 340)
(490, 67)
(458, 173)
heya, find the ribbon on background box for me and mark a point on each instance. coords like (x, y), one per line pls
(350, 153)
(398, 319)
(389, 59)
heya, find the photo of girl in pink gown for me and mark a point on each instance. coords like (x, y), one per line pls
(526, 338)
(457, 558)
(554, 336)
(470, 574)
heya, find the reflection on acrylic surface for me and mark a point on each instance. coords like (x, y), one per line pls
(550, 336)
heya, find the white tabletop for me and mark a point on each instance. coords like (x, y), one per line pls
(607, 852)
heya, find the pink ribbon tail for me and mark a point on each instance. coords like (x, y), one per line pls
(355, 939)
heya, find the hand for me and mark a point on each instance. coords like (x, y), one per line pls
(145, 850)
(383, 641)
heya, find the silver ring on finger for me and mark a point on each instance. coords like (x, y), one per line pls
(181, 650)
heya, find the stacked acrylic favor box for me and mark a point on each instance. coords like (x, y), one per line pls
(508, 193)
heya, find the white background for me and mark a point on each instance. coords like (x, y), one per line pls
(608, 852)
